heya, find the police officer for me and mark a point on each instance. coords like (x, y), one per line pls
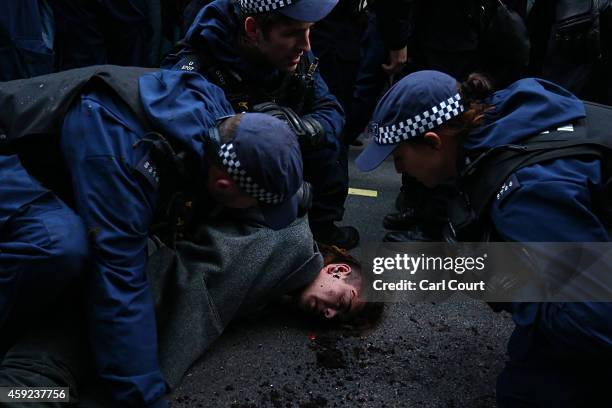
(436, 130)
(471, 35)
(258, 52)
(335, 41)
(128, 175)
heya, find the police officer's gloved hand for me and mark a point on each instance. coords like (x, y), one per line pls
(306, 194)
(309, 131)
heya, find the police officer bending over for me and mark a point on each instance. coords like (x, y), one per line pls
(131, 165)
(531, 162)
(258, 52)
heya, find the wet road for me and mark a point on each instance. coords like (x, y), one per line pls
(422, 355)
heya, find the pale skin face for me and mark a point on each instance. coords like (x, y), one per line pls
(432, 161)
(284, 45)
(330, 295)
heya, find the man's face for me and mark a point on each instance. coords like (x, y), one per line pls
(330, 295)
(285, 44)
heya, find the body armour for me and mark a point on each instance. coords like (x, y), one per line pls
(483, 178)
(294, 90)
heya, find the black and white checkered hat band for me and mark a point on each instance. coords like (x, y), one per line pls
(412, 127)
(262, 6)
(234, 168)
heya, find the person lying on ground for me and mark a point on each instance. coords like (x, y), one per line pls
(225, 271)
(97, 158)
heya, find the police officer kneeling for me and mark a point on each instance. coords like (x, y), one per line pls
(551, 186)
(259, 53)
(124, 165)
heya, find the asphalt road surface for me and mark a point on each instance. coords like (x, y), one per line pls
(422, 354)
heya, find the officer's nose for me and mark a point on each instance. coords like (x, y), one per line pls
(304, 42)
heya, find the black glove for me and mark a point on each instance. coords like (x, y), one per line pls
(309, 131)
(305, 199)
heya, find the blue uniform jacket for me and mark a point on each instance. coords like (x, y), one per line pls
(116, 189)
(547, 202)
(215, 29)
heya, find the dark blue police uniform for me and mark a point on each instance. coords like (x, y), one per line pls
(43, 246)
(559, 352)
(213, 37)
(127, 159)
(116, 190)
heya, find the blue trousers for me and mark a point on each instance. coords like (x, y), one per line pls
(43, 245)
(327, 171)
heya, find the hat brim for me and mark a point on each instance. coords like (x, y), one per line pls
(373, 155)
(308, 10)
(281, 215)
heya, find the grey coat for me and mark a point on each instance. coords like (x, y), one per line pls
(231, 270)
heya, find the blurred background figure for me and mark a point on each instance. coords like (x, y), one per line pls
(335, 41)
(572, 45)
(101, 32)
(26, 39)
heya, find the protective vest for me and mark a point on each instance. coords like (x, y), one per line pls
(487, 171)
(31, 117)
(294, 90)
(34, 108)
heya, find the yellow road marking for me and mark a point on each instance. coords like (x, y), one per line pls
(362, 192)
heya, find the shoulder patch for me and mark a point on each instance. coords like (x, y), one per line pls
(508, 187)
(190, 63)
(148, 169)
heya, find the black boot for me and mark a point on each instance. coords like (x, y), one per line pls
(343, 237)
(402, 201)
(402, 220)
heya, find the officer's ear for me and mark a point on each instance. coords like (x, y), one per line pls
(251, 30)
(219, 180)
(223, 184)
(433, 140)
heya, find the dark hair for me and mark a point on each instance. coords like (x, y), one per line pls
(371, 314)
(228, 128)
(227, 131)
(473, 90)
(476, 87)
